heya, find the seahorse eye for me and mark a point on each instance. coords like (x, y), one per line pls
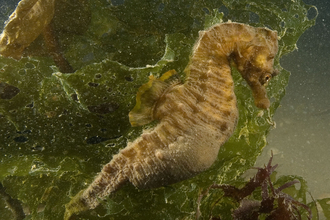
(265, 78)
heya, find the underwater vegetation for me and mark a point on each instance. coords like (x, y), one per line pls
(274, 203)
(57, 129)
(194, 118)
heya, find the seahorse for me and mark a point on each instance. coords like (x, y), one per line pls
(194, 118)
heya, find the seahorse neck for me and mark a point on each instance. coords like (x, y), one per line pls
(211, 54)
(209, 69)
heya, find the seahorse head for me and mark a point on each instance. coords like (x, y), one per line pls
(255, 59)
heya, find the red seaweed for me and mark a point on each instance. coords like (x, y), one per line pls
(275, 204)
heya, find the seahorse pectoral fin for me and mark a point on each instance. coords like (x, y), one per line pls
(147, 97)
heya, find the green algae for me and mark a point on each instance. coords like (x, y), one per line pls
(59, 130)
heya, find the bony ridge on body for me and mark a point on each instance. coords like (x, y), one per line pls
(195, 117)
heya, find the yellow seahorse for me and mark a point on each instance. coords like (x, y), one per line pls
(195, 118)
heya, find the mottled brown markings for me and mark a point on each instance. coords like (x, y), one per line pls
(195, 118)
(215, 74)
(178, 127)
(209, 117)
(165, 134)
(224, 127)
(230, 98)
(202, 78)
(197, 95)
(186, 112)
(192, 102)
(154, 138)
(225, 113)
(129, 153)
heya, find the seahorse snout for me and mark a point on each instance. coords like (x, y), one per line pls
(262, 103)
(260, 95)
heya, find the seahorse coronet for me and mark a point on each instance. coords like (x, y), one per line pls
(195, 117)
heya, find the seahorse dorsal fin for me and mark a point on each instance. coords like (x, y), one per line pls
(147, 97)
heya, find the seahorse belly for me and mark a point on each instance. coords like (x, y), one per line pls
(187, 139)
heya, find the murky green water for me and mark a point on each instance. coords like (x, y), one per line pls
(57, 130)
